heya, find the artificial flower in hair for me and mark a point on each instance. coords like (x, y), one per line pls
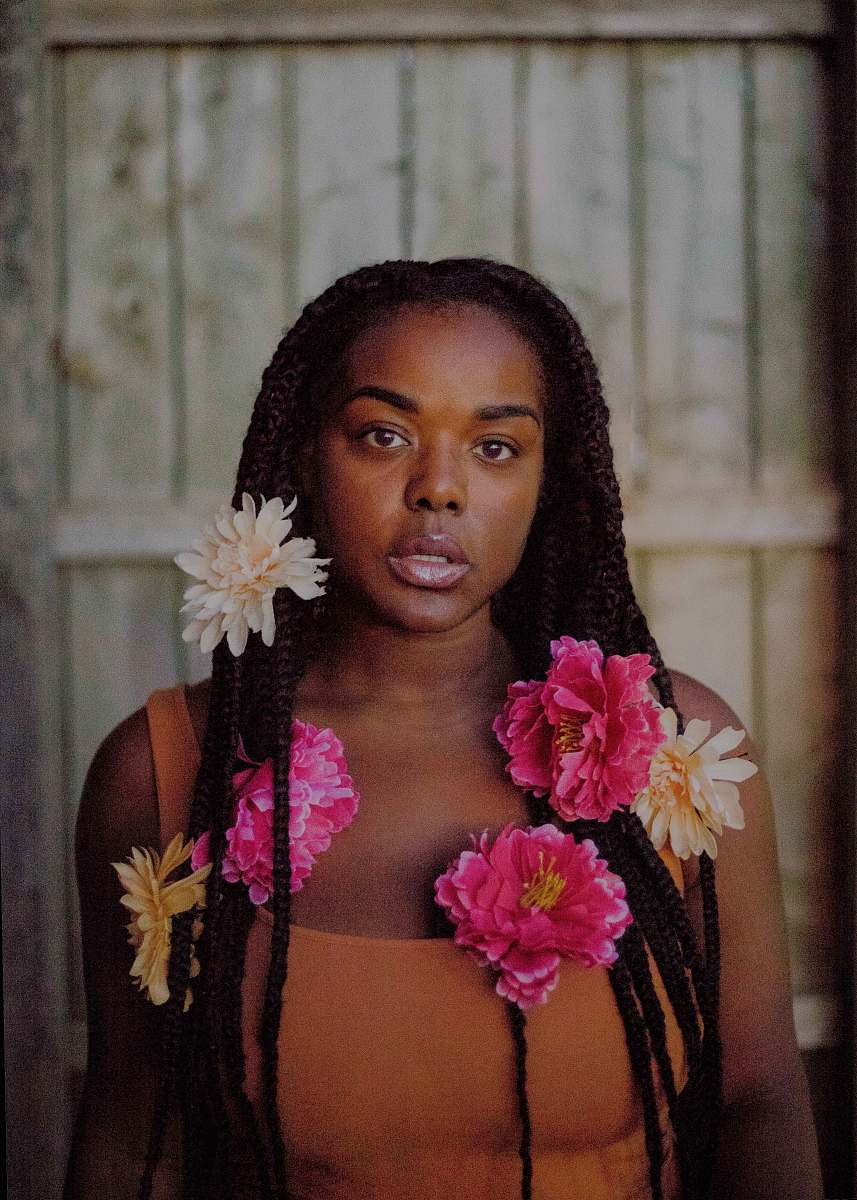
(322, 801)
(585, 735)
(154, 903)
(691, 794)
(242, 559)
(530, 899)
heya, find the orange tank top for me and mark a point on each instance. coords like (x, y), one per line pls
(396, 1077)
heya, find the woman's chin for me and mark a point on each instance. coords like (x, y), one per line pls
(415, 609)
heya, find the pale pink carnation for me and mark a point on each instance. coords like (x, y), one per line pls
(586, 735)
(532, 898)
(322, 801)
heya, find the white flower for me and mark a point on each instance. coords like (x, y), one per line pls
(242, 560)
(691, 794)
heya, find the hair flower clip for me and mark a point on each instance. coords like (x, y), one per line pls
(154, 903)
(322, 801)
(530, 899)
(242, 558)
(584, 736)
(691, 792)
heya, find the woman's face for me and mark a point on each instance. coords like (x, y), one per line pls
(427, 468)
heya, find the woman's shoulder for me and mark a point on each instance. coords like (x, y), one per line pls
(119, 803)
(695, 699)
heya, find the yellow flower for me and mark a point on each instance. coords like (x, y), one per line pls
(241, 562)
(154, 903)
(691, 794)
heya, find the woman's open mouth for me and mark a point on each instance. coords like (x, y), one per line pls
(430, 561)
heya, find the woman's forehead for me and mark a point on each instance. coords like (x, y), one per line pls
(464, 342)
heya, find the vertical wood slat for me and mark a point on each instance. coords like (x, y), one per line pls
(344, 168)
(793, 285)
(116, 337)
(464, 151)
(230, 200)
(800, 701)
(579, 209)
(114, 661)
(696, 414)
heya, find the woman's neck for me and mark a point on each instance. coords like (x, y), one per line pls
(367, 663)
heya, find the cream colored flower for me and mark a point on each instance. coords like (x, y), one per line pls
(154, 903)
(242, 560)
(691, 794)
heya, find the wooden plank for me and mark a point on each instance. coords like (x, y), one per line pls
(819, 1021)
(115, 353)
(32, 847)
(790, 155)
(695, 401)
(119, 632)
(464, 152)
(230, 204)
(578, 205)
(104, 21)
(799, 714)
(739, 520)
(345, 169)
(700, 611)
(154, 533)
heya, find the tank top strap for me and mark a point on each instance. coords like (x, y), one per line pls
(176, 756)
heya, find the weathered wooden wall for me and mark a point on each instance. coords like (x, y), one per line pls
(675, 193)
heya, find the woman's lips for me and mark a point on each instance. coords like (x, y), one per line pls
(428, 572)
(431, 561)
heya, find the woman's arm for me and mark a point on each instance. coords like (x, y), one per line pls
(768, 1145)
(118, 809)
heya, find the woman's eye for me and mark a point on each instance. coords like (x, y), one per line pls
(496, 451)
(384, 439)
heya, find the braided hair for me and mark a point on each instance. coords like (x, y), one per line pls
(573, 578)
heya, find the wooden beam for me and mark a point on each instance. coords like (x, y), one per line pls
(96, 22)
(145, 533)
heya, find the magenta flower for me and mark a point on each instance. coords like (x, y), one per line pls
(586, 736)
(322, 801)
(525, 733)
(532, 898)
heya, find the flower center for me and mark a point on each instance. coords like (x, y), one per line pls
(545, 888)
(670, 777)
(569, 734)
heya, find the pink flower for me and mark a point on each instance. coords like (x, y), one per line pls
(523, 730)
(587, 735)
(532, 898)
(322, 801)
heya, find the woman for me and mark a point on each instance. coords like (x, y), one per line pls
(442, 429)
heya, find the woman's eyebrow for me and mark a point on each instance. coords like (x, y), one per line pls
(398, 401)
(490, 412)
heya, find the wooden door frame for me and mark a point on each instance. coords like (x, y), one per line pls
(37, 719)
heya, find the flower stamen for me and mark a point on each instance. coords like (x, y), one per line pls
(545, 888)
(569, 735)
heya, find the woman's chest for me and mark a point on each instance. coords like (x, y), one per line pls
(418, 806)
(405, 1041)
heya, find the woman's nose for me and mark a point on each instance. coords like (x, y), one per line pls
(436, 483)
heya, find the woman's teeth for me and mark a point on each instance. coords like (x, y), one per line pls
(429, 557)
